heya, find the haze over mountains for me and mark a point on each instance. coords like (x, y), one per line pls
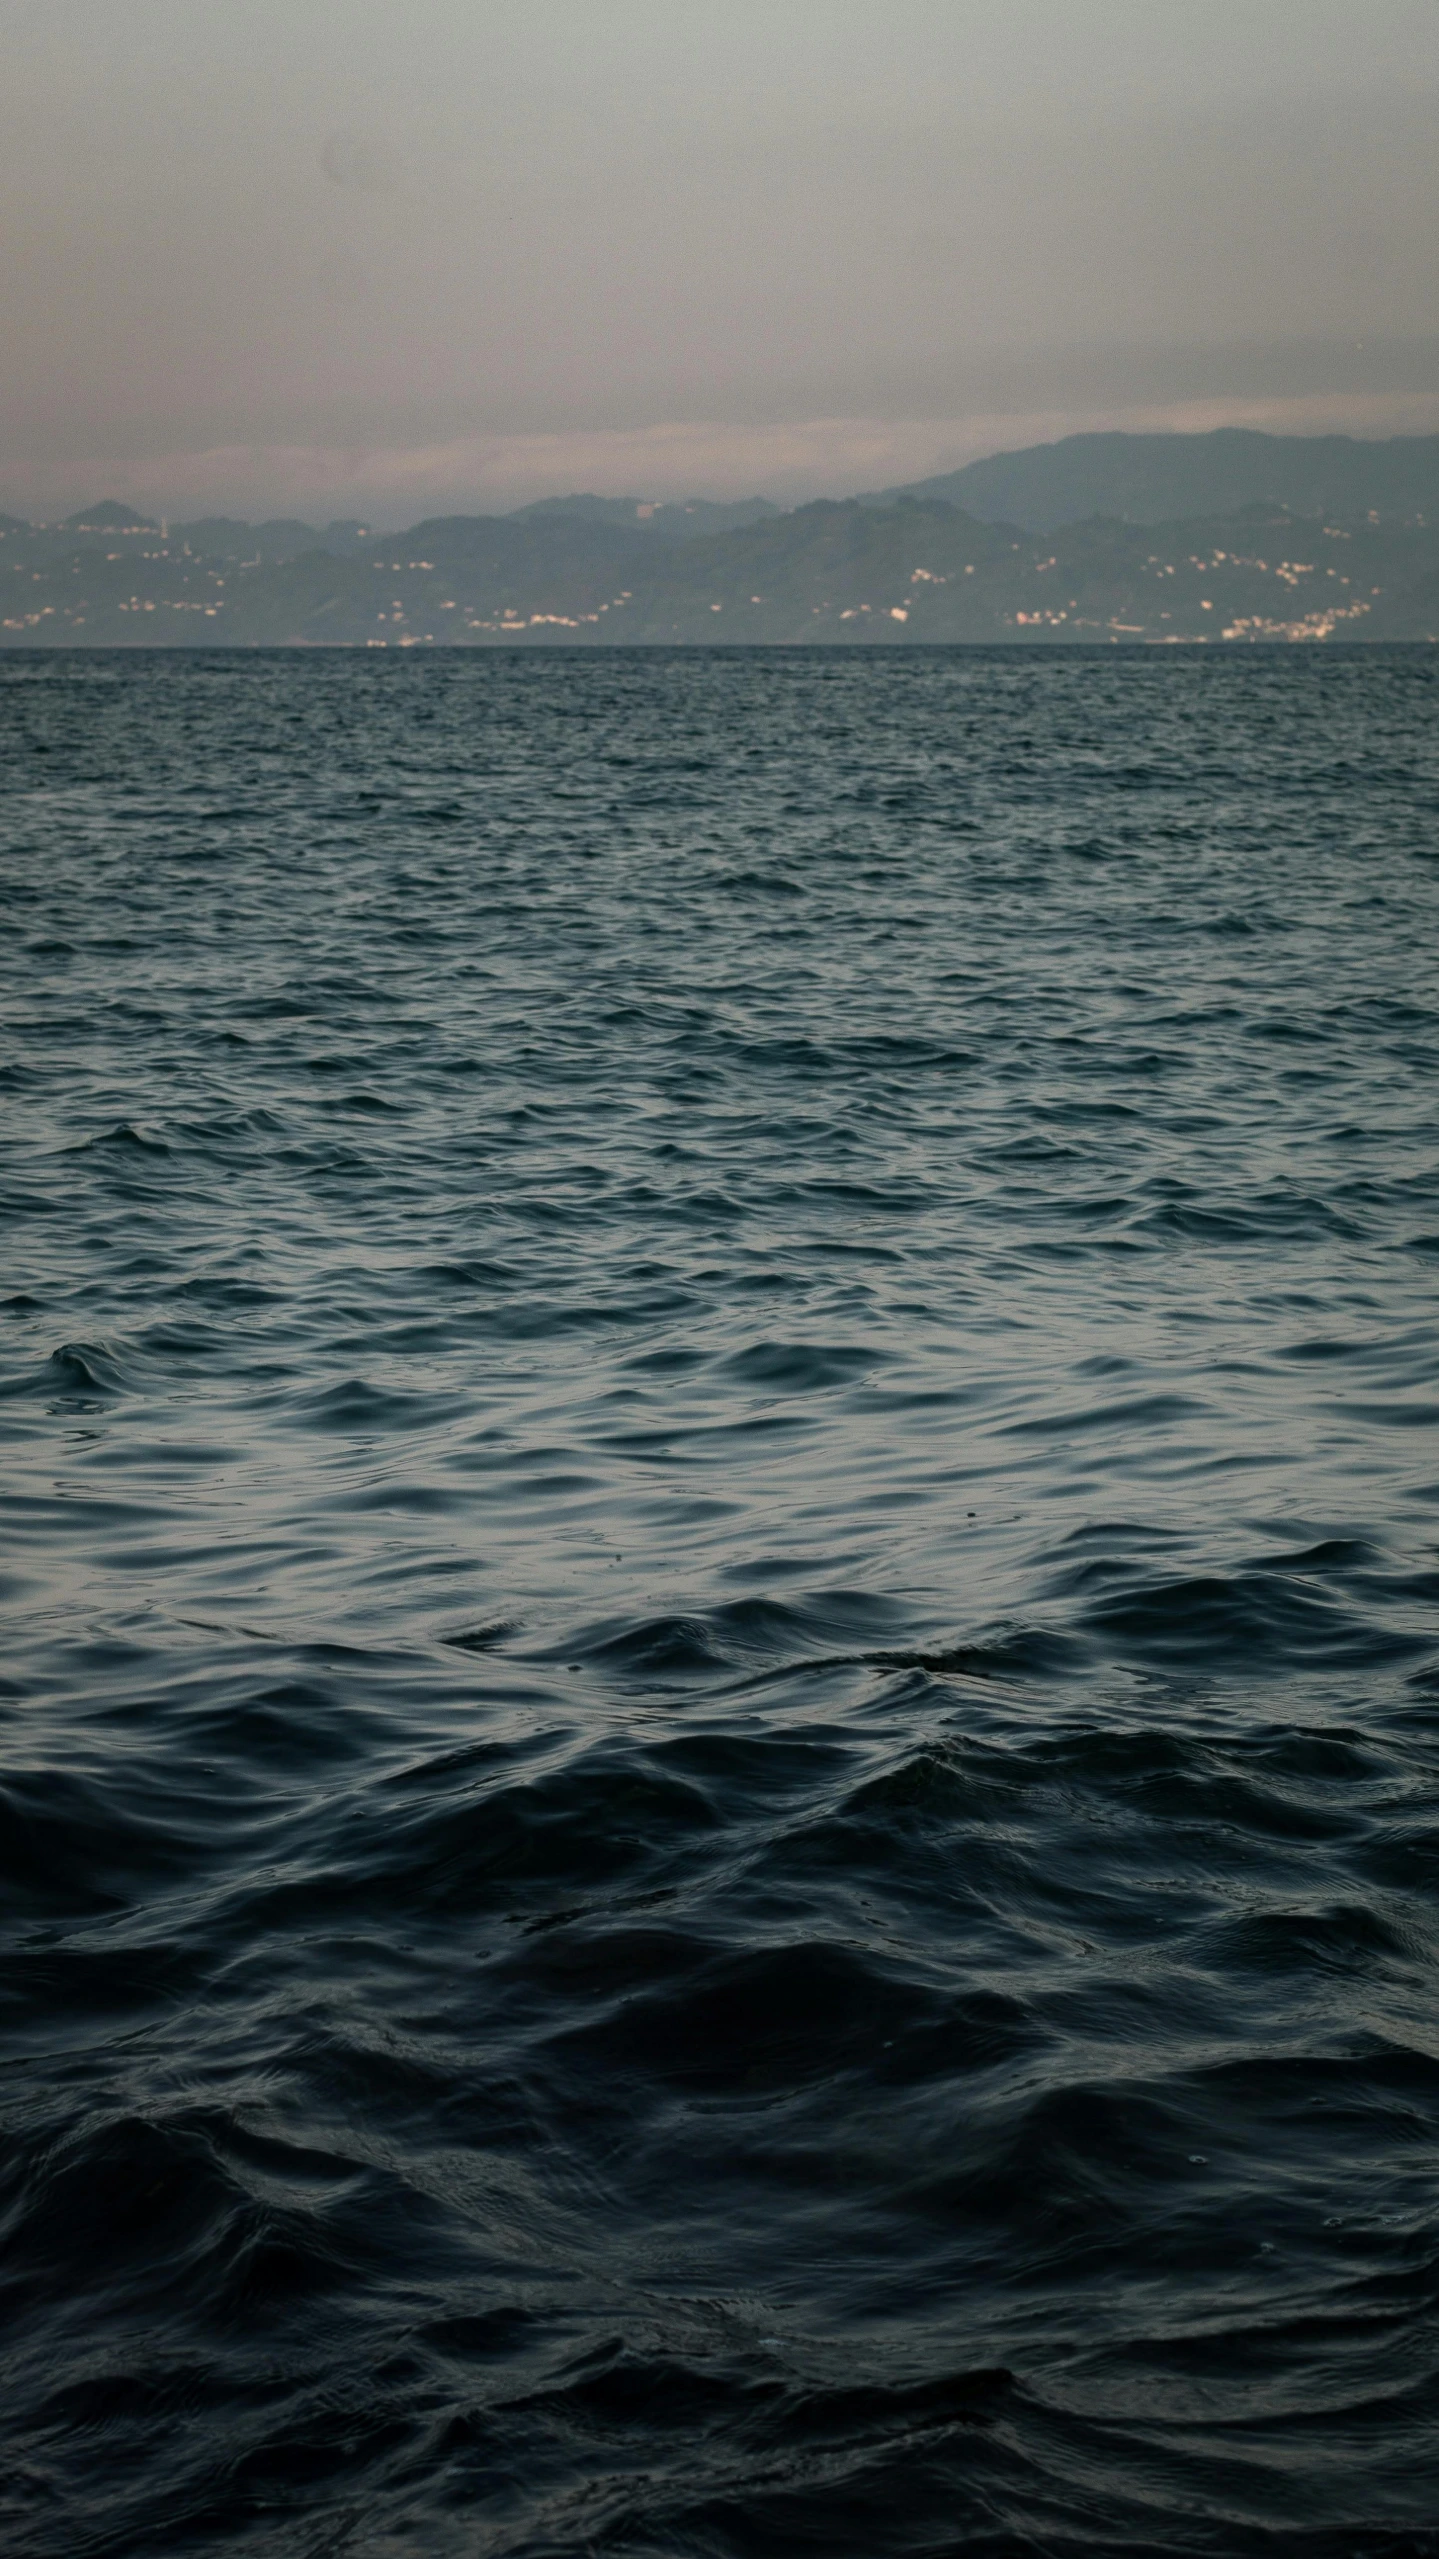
(1112, 538)
(1153, 479)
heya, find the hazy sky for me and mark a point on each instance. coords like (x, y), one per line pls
(388, 256)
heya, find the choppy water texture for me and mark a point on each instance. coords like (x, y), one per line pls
(721, 1541)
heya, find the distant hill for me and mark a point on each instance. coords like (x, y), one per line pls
(1160, 479)
(682, 520)
(882, 571)
(228, 537)
(108, 517)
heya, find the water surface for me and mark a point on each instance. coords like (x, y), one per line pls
(719, 1749)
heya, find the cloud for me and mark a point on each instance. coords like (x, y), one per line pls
(362, 161)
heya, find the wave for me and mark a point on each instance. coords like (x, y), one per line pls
(718, 1758)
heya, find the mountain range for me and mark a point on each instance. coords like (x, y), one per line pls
(1158, 479)
(1108, 539)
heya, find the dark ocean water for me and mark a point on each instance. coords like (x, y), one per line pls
(719, 1752)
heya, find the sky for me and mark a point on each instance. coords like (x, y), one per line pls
(391, 258)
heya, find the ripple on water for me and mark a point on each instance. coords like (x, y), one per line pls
(719, 1781)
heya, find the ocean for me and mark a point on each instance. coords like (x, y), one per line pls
(719, 1739)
